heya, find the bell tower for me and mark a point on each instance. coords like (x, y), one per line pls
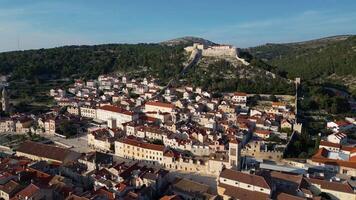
(234, 153)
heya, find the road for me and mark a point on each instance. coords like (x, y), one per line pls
(193, 59)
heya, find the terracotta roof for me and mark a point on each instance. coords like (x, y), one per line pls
(278, 103)
(121, 187)
(148, 119)
(334, 186)
(240, 94)
(329, 144)
(116, 109)
(171, 197)
(145, 145)
(28, 192)
(160, 104)
(264, 132)
(245, 178)
(287, 177)
(10, 187)
(285, 196)
(75, 197)
(321, 157)
(48, 151)
(349, 149)
(234, 140)
(342, 123)
(239, 193)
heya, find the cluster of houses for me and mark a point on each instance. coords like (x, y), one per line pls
(194, 130)
(266, 184)
(337, 153)
(188, 129)
(42, 171)
(153, 129)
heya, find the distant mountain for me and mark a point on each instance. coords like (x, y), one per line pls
(311, 59)
(271, 51)
(187, 41)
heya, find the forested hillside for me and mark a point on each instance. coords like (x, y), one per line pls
(227, 76)
(312, 59)
(161, 61)
(91, 61)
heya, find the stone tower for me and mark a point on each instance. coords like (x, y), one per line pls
(5, 101)
(234, 153)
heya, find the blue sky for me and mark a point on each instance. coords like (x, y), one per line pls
(50, 23)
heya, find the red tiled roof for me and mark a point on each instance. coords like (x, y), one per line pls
(48, 151)
(285, 196)
(171, 153)
(349, 149)
(121, 187)
(335, 186)
(329, 144)
(148, 119)
(28, 192)
(245, 178)
(240, 94)
(116, 109)
(321, 157)
(239, 193)
(135, 142)
(10, 187)
(234, 140)
(342, 123)
(264, 132)
(171, 197)
(160, 104)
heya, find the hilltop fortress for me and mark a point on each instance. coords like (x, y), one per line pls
(216, 51)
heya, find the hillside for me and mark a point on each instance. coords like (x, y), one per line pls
(91, 61)
(229, 75)
(311, 59)
(39, 67)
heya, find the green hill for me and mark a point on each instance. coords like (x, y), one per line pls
(91, 61)
(311, 59)
(163, 61)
